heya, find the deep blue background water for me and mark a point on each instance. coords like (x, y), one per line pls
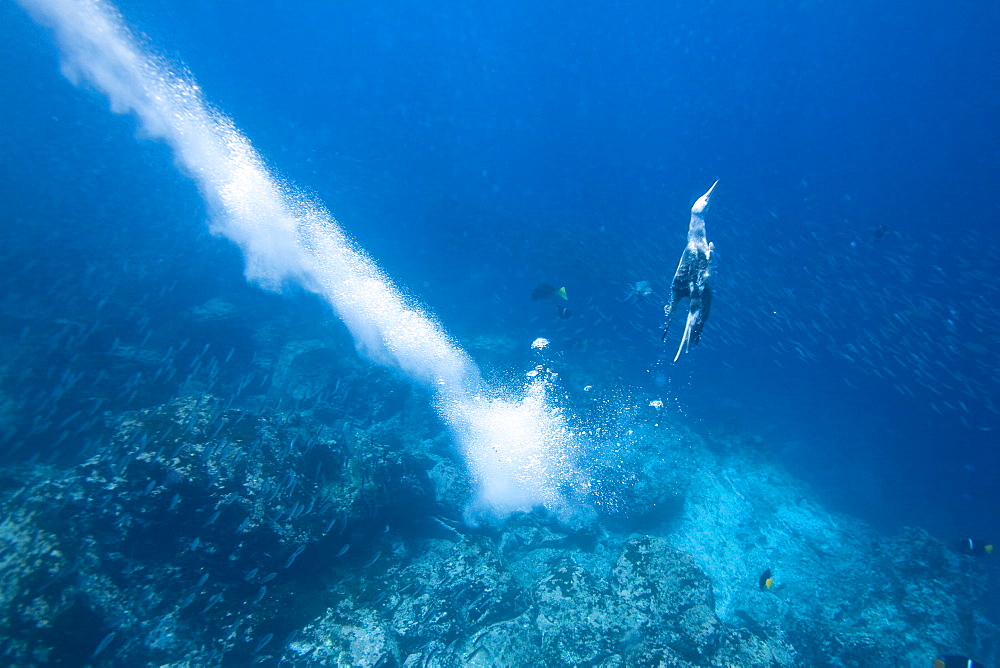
(477, 151)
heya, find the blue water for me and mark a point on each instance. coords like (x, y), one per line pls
(476, 152)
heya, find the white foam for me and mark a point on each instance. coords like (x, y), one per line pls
(517, 447)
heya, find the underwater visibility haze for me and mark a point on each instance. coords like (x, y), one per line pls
(335, 334)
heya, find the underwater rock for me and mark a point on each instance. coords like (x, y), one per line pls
(305, 369)
(935, 594)
(345, 637)
(655, 582)
(575, 618)
(513, 642)
(304, 508)
(452, 487)
(660, 463)
(842, 593)
(666, 608)
(455, 587)
(30, 562)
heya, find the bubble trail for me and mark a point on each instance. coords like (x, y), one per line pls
(516, 445)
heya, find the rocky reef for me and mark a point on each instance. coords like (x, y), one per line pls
(293, 505)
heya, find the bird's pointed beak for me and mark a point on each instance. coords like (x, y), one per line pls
(702, 203)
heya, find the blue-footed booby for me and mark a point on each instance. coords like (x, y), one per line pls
(692, 277)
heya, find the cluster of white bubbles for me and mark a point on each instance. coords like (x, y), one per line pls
(515, 443)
